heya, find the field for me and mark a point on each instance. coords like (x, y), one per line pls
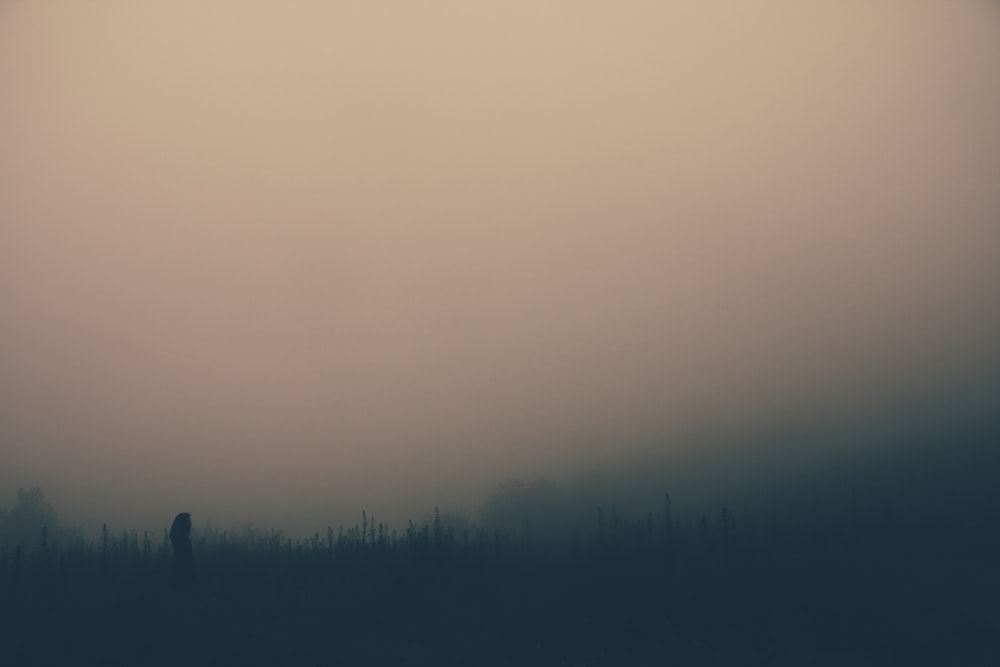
(836, 584)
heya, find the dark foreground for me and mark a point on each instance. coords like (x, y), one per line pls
(856, 587)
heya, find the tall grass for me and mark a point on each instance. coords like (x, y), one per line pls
(795, 589)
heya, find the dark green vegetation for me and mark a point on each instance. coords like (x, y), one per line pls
(899, 571)
(892, 558)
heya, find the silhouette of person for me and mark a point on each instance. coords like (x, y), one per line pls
(180, 538)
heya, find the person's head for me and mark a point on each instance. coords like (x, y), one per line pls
(181, 529)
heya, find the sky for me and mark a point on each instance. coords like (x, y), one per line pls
(284, 261)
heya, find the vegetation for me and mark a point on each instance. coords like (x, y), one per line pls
(836, 584)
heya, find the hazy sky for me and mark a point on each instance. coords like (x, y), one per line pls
(265, 258)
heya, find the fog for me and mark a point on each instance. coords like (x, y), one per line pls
(282, 262)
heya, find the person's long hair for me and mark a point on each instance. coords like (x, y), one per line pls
(180, 531)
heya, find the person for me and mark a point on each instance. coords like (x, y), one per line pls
(180, 538)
